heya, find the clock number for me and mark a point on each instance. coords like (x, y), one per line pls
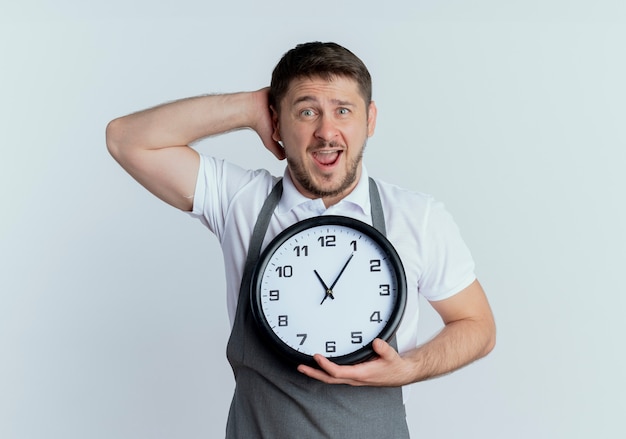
(282, 321)
(375, 265)
(353, 244)
(385, 290)
(331, 347)
(327, 240)
(286, 271)
(357, 337)
(375, 317)
(301, 251)
(303, 337)
(274, 295)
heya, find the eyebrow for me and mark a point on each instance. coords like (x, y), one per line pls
(308, 98)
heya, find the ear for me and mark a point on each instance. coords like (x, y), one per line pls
(275, 125)
(371, 119)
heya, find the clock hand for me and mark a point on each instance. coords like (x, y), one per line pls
(329, 292)
(321, 280)
(341, 272)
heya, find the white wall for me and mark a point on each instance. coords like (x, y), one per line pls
(112, 313)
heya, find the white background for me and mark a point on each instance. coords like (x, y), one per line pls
(112, 313)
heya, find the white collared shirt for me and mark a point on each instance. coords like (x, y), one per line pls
(437, 262)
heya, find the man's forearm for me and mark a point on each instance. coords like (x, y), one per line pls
(181, 122)
(457, 345)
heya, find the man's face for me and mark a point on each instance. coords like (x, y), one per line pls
(324, 126)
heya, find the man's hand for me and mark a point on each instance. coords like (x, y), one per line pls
(389, 369)
(263, 123)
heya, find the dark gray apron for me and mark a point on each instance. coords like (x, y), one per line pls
(273, 400)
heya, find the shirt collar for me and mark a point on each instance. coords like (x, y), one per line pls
(292, 198)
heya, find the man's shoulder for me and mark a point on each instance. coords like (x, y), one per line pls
(225, 190)
(393, 193)
(236, 178)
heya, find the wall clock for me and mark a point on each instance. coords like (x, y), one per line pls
(328, 285)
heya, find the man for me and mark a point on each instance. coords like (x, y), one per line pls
(318, 114)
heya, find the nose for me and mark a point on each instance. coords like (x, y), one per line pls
(326, 129)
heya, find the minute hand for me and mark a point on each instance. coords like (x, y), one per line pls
(341, 272)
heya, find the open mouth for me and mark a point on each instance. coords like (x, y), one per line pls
(327, 157)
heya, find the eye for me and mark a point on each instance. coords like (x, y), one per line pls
(343, 111)
(307, 113)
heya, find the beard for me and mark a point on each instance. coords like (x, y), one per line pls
(299, 173)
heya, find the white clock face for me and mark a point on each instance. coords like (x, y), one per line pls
(330, 289)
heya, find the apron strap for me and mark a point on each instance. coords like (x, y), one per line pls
(258, 233)
(378, 217)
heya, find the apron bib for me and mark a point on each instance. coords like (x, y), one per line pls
(273, 400)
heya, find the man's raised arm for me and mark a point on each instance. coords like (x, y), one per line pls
(153, 145)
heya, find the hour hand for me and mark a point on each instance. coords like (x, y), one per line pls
(329, 292)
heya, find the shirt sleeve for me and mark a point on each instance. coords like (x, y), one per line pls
(217, 183)
(449, 266)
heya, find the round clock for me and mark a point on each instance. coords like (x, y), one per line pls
(328, 285)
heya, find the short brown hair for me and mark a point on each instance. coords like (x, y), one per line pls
(316, 59)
